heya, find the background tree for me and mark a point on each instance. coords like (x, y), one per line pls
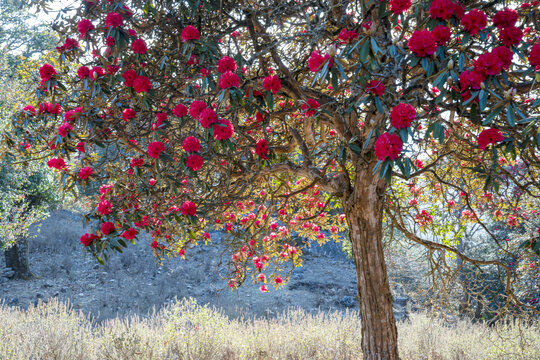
(273, 118)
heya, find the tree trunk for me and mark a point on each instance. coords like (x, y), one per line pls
(17, 259)
(364, 211)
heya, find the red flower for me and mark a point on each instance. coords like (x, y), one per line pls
(57, 163)
(155, 148)
(190, 33)
(226, 64)
(137, 162)
(129, 234)
(459, 10)
(129, 77)
(64, 129)
(188, 208)
(68, 44)
(375, 87)
(50, 108)
(180, 110)
(191, 144)
(128, 114)
(228, 80)
(422, 43)
(96, 72)
(310, 107)
(441, 34)
(470, 79)
(316, 61)
(46, 72)
(139, 46)
(489, 136)
(474, 21)
(107, 228)
(84, 26)
(223, 130)
(505, 18)
(207, 117)
(488, 64)
(388, 145)
(194, 162)
(141, 84)
(399, 6)
(85, 172)
(87, 239)
(347, 36)
(504, 55)
(196, 108)
(402, 115)
(441, 9)
(261, 148)
(113, 20)
(272, 84)
(81, 147)
(104, 207)
(534, 55)
(278, 280)
(154, 244)
(30, 109)
(510, 36)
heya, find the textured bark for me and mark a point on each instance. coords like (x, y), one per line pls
(364, 215)
(17, 259)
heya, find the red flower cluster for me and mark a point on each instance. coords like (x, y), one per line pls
(155, 148)
(422, 43)
(229, 80)
(402, 115)
(107, 228)
(316, 61)
(129, 234)
(191, 144)
(50, 108)
(113, 20)
(68, 44)
(505, 18)
(30, 109)
(470, 79)
(190, 33)
(261, 149)
(64, 129)
(474, 21)
(87, 239)
(489, 136)
(128, 114)
(534, 55)
(84, 26)
(194, 162)
(346, 36)
(85, 172)
(310, 107)
(139, 46)
(137, 162)
(223, 130)
(196, 108)
(46, 72)
(272, 84)
(388, 145)
(180, 110)
(188, 208)
(441, 34)
(399, 6)
(207, 117)
(57, 163)
(226, 64)
(441, 9)
(424, 218)
(104, 207)
(375, 87)
(510, 36)
(142, 84)
(81, 146)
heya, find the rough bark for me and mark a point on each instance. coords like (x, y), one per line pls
(17, 259)
(364, 211)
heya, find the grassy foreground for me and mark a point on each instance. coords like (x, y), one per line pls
(189, 331)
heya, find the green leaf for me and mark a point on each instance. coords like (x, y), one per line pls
(483, 99)
(364, 51)
(492, 115)
(510, 116)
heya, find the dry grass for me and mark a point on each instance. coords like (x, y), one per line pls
(188, 331)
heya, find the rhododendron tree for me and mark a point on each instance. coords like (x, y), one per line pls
(313, 119)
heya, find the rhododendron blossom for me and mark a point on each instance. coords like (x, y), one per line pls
(399, 6)
(85, 172)
(191, 144)
(388, 146)
(422, 43)
(188, 208)
(226, 64)
(272, 84)
(310, 107)
(114, 20)
(190, 33)
(155, 149)
(474, 21)
(261, 149)
(489, 136)
(402, 115)
(229, 80)
(194, 162)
